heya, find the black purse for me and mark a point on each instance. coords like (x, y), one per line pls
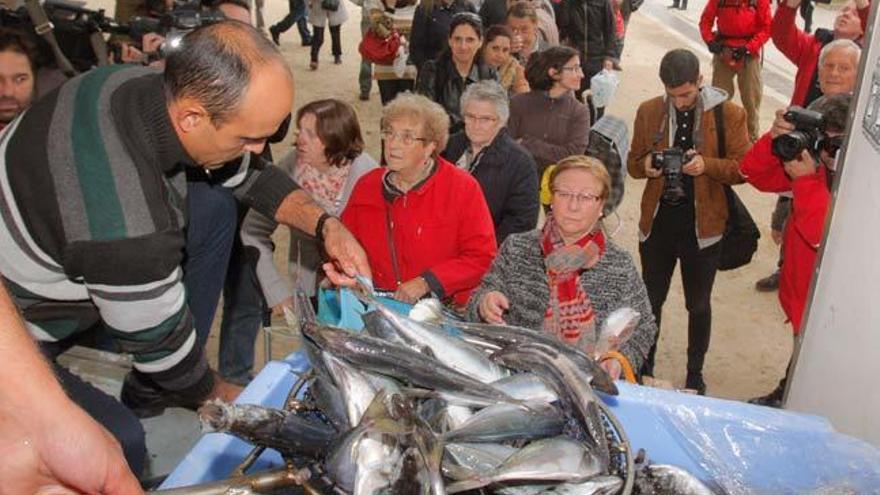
(740, 240)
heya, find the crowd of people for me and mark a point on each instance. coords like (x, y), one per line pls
(134, 197)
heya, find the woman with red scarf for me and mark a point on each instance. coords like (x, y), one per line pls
(568, 277)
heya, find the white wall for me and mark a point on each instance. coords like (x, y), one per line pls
(838, 364)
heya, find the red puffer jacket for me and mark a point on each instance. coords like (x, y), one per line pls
(805, 226)
(739, 23)
(442, 231)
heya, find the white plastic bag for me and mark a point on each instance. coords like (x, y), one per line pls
(400, 60)
(603, 86)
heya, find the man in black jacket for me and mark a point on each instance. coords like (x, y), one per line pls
(588, 26)
(505, 170)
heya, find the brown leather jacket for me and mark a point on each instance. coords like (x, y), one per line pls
(711, 202)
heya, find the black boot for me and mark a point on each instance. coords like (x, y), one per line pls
(695, 382)
(773, 399)
(276, 36)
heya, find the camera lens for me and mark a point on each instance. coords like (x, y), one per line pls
(789, 146)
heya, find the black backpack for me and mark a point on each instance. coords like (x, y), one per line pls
(740, 239)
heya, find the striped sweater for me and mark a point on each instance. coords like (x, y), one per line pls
(519, 273)
(92, 198)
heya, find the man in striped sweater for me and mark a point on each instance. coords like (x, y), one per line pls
(92, 199)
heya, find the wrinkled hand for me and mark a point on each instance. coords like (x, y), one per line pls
(412, 290)
(612, 366)
(650, 171)
(278, 309)
(780, 125)
(347, 256)
(695, 167)
(67, 453)
(492, 307)
(776, 235)
(804, 165)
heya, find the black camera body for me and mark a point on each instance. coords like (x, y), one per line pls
(173, 25)
(670, 161)
(809, 129)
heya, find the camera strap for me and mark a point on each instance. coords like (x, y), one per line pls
(44, 27)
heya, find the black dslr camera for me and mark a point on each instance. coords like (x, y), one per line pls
(670, 161)
(809, 129)
(174, 24)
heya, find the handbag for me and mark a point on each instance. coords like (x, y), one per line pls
(740, 240)
(330, 5)
(381, 51)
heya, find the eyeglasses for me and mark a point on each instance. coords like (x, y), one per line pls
(407, 138)
(580, 198)
(573, 68)
(478, 119)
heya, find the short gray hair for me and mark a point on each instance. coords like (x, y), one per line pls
(491, 92)
(840, 44)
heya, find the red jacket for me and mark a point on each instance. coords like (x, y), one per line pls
(442, 230)
(805, 226)
(799, 47)
(739, 23)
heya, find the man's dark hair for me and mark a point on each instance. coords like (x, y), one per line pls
(834, 110)
(467, 18)
(13, 40)
(679, 67)
(215, 64)
(540, 63)
(238, 3)
(522, 11)
(338, 128)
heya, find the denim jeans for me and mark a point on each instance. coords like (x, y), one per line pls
(297, 15)
(211, 230)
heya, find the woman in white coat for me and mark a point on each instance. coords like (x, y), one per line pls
(322, 13)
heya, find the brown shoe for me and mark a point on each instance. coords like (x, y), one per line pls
(313, 65)
(769, 283)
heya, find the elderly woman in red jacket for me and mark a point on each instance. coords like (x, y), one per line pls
(423, 222)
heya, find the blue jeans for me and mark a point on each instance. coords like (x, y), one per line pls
(297, 15)
(211, 230)
(244, 311)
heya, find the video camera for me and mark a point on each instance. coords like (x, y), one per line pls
(670, 161)
(809, 131)
(174, 24)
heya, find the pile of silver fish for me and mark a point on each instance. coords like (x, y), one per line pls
(408, 407)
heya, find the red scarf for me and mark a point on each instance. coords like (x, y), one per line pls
(569, 313)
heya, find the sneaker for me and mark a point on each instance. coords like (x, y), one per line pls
(769, 283)
(276, 36)
(773, 399)
(364, 96)
(695, 382)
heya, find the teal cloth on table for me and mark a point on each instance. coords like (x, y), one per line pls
(341, 308)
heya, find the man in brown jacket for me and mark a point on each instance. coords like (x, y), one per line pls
(684, 214)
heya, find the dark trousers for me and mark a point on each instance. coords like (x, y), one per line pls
(244, 312)
(119, 420)
(318, 40)
(669, 243)
(296, 15)
(211, 229)
(390, 88)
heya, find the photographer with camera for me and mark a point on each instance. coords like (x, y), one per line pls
(677, 147)
(742, 28)
(798, 156)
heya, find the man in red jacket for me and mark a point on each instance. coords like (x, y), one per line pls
(803, 49)
(809, 178)
(741, 29)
